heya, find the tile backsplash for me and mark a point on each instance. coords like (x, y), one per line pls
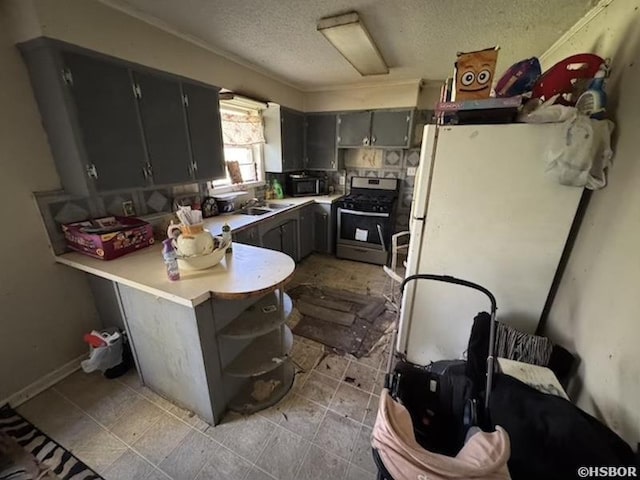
(154, 206)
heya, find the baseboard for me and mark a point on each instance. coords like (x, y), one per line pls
(43, 383)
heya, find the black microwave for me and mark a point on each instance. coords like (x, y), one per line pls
(303, 185)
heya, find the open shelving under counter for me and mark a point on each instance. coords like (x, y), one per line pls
(262, 317)
(264, 354)
(265, 391)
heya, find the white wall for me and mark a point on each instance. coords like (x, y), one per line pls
(45, 308)
(597, 309)
(363, 97)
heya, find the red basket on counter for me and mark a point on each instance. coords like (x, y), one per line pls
(109, 237)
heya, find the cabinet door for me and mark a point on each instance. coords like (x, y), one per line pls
(321, 231)
(320, 142)
(289, 232)
(272, 239)
(292, 131)
(305, 227)
(205, 131)
(391, 128)
(165, 129)
(248, 236)
(108, 120)
(354, 129)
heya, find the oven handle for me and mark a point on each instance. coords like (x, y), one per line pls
(363, 214)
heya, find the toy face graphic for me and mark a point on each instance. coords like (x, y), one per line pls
(474, 71)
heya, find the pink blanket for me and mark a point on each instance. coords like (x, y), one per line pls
(483, 457)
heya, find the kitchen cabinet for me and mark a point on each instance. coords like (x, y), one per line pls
(248, 236)
(354, 129)
(284, 135)
(281, 233)
(292, 139)
(320, 152)
(379, 129)
(107, 119)
(163, 122)
(205, 131)
(282, 238)
(324, 227)
(306, 231)
(114, 125)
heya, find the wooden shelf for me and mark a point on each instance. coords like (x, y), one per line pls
(264, 354)
(255, 321)
(245, 402)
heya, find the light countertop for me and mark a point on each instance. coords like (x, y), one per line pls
(247, 271)
(237, 221)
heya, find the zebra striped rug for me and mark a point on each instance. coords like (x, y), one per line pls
(47, 452)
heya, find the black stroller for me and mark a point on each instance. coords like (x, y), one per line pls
(433, 421)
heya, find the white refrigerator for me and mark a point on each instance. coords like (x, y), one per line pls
(484, 211)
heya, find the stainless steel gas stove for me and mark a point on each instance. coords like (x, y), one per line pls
(366, 218)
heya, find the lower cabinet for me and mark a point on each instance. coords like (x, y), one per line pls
(248, 236)
(281, 234)
(324, 230)
(306, 231)
(299, 233)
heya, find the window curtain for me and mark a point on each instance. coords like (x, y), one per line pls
(242, 129)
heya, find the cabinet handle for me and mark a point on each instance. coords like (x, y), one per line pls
(406, 137)
(365, 141)
(137, 92)
(150, 170)
(145, 173)
(373, 140)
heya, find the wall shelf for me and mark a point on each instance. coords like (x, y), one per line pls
(263, 355)
(245, 402)
(259, 319)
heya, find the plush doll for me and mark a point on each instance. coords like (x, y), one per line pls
(474, 73)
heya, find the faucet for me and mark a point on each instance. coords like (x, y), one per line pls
(252, 202)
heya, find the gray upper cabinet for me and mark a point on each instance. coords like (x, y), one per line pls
(165, 132)
(292, 124)
(320, 141)
(379, 128)
(203, 115)
(284, 135)
(391, 128)
(114, 125)
(108, 121)
(354, 129)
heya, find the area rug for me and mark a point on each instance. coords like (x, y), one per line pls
(345, 321)
(28, 454)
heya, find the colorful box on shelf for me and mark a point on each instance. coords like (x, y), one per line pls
(109, 237)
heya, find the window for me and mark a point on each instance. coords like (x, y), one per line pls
(243, 136)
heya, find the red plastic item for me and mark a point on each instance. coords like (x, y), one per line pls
(560, 78)
(128, 235)
(94, 340)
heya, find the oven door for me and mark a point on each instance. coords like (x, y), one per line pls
(364, 229)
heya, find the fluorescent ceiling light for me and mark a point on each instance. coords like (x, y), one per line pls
(350, 37)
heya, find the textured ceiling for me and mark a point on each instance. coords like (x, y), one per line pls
(417, 38)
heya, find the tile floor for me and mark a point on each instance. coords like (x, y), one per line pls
(320, 430)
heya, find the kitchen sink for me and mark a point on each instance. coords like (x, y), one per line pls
(278, 206)
(254, 211)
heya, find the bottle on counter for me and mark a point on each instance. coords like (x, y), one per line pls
(226, 236)
(170, 260)
(277, 189)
